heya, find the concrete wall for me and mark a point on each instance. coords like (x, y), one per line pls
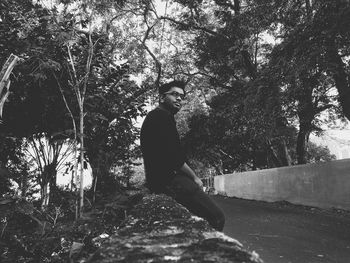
(324, 185)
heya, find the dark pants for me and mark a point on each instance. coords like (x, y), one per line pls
(186, 192)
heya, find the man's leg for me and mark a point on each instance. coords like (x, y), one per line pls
(188, 193)
(202, 205)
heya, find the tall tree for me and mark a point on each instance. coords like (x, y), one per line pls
(232, 54)
(32, 106)
(303, 64)
(58, 56)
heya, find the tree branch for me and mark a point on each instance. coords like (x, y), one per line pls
(158, 64)
(204, 29)
(226, 154)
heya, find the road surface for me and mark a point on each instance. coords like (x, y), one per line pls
(285, 233)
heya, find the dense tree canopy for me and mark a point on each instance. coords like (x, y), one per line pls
(259, 82)
(287, 82)
(42, 102)
(262, 75)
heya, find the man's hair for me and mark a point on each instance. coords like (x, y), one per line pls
(175, 83)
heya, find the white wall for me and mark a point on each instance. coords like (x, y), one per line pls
(322, 185)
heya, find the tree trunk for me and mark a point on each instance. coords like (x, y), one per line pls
(302, 139)
(4, 79)
(45, 197)
(277, 154)
(81, 192)
(94, 181)
(53, 184)
(336, 68)
(306, 113)
(283, 153)
(271, 156)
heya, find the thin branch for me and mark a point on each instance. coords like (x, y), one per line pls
(162, 34)
(88, 66)
(75, 80)
(204, 29)
(37, 158)
(44, 156)
(67, 107)
(70, 149)
(72, 63)
(34, 157)
(324, 107)
(226, 154)
(158, 64)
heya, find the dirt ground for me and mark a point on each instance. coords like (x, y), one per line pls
(285, 233)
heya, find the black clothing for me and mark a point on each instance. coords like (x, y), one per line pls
(163, 157)
(161, 149)
(186, 192)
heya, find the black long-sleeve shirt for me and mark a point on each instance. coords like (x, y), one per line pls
(161, 149)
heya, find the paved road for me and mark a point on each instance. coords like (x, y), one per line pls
(286, 233)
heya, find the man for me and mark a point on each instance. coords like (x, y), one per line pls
(165, 162)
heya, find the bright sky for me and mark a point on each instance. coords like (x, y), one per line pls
(65, 179)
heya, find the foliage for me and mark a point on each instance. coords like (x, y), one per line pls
(231, 55)
(36, 105)
(16, 21)
(232, 136)
(288, 83)
(28, 234)
(13, 166)
(4, 182)
(318, 38)
(303, 67)
(317, 153)
(264, 89)
(47, 156)
(259, 83)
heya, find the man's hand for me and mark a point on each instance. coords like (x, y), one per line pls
(190, 173)
(198, 181)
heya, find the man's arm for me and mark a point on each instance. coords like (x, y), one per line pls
(190, 173)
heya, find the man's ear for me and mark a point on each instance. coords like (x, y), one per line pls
(161, 98)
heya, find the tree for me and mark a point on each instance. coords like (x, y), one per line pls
(45, 85)
(232, 56)
(16, 20)
(13, 166)
(112, 107)
(5, 81)
(79, 83)
(47, 156)
(302, 90)
(32, 106)
(301, 66)
(112, 99)
(334, 47)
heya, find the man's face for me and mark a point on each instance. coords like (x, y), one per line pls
(173, 99)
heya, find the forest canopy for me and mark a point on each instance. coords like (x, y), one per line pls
(78, 76)
(259, 83)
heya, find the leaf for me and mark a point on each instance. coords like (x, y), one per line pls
(75, 250)
(25, 207)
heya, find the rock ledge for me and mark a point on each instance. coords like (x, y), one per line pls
(160, 230)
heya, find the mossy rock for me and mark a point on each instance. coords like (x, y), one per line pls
(158, 229)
